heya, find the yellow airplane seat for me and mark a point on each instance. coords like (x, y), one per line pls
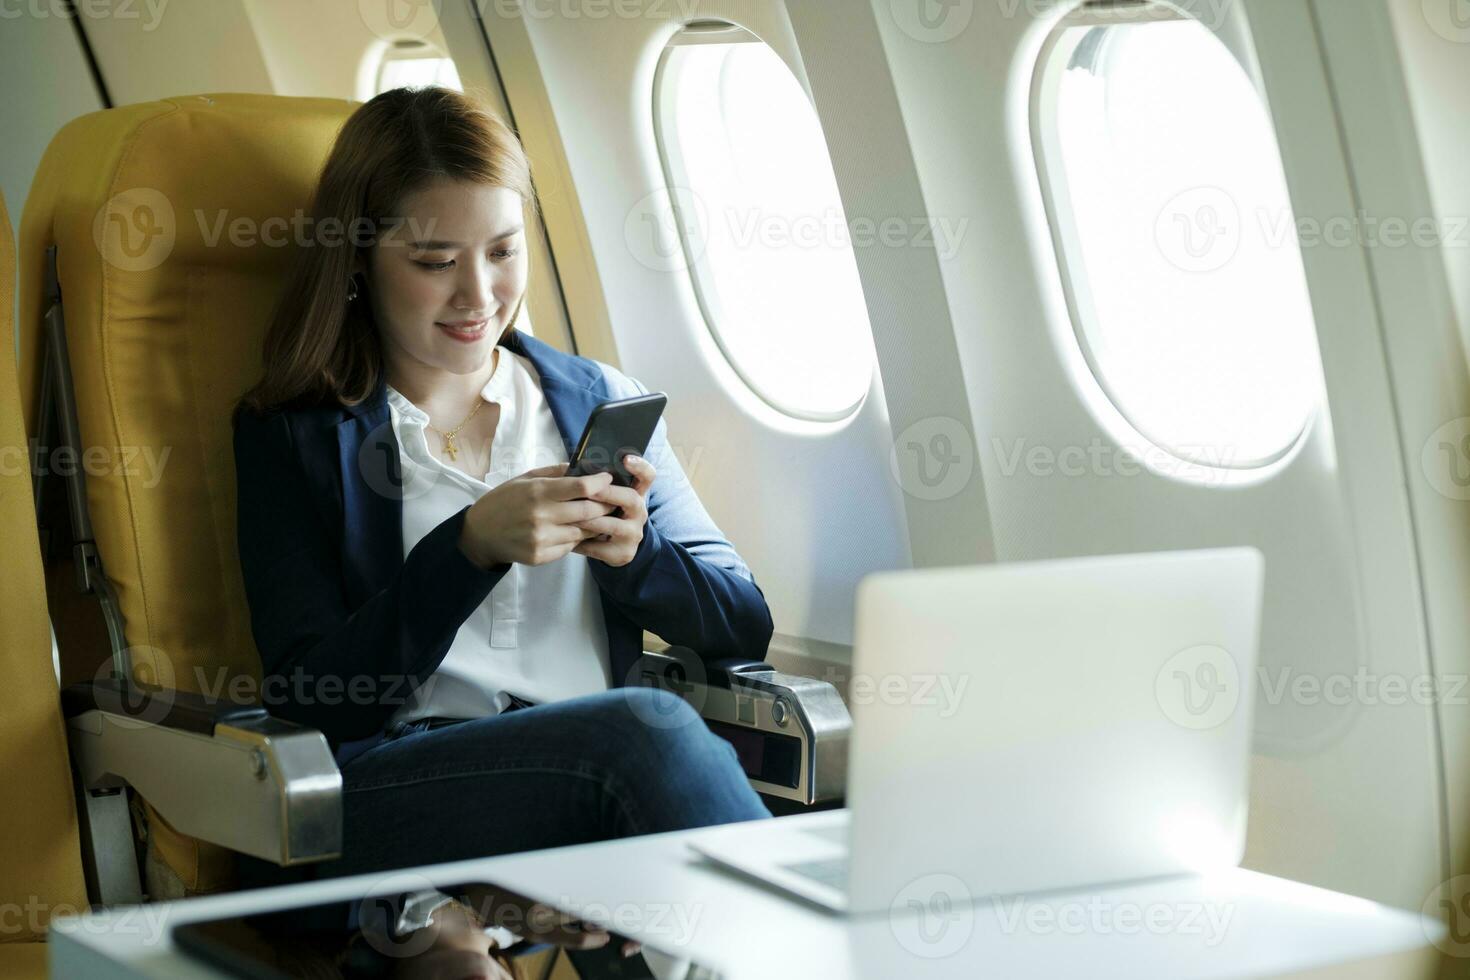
(40, 853)
(154, 243)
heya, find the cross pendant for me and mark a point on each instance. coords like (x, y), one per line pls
(449, 448)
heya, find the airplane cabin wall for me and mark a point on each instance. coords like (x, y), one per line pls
(1333, 784)
(1413, 289)
(1435, 43)
(188, 48)
(39, 56)
(1436, 60)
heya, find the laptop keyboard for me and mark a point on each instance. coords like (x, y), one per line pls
(831, 872)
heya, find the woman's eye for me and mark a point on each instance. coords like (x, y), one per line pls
(504, 253)
(436, 266)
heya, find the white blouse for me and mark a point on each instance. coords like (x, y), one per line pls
(539, 634)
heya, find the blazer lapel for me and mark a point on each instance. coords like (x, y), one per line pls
(372, 498)
(572, 386)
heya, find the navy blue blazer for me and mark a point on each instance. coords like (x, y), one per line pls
(347, 625)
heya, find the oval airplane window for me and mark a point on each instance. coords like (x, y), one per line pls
(1177, 240)
(760, 224)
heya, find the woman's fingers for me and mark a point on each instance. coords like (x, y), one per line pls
(549, 925)
(624, 497)
(538, 921)
(576, 487)
(576, 511)
(601, 525)
(641, 470)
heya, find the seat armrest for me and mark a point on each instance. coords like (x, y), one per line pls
(184, 710)
(681, 664)
(221, 771)
(729, 672)
(789, 732)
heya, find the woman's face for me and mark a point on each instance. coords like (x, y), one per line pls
(445, 283)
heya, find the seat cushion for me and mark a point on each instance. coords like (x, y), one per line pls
(23, 961)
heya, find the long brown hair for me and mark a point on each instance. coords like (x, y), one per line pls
(321, 348)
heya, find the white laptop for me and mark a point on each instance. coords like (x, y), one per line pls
(1027, 726)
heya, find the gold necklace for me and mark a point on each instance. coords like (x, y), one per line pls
(449, 446)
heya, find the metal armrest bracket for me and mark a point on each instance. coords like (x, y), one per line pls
(790, 732)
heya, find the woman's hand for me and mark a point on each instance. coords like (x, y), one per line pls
(534, 518)
(538, 922)
(616, 536)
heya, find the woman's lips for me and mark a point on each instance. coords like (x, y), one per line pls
(467, 332)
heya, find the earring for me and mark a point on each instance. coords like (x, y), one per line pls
(351, 288)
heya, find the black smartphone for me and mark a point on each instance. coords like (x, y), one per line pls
(615, 429)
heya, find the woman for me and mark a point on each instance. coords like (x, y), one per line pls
(417, 563)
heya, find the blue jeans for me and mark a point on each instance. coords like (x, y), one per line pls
(619, 763)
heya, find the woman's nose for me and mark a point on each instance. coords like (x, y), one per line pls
(476, 287)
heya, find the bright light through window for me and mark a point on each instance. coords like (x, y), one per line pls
(763, 226)
(416, 68)
(1178, 241)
